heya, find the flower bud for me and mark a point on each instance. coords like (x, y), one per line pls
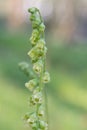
(36, 23)
(32, 17)
(32, 10)
(26, 117)
(40, 46)
(46, 77)
(41, 27)
(36, 90)
(32, 119)
(31, 84)
(37, 98)
(32, 103)
(38, 66)
(43, 125)
(34, 37)
(34, 126)
(33, 54)
(42, 41)
(41, 111)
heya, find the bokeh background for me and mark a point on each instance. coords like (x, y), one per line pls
(66, 36)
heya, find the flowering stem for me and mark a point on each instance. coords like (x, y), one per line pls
(37, 119)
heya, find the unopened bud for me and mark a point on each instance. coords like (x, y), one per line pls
(32, 10)
(43, 125)
(37, 98)
(31, 84)
(41, 27)
(46, 77)
(34, 37)
(32, 119)
(38, 66)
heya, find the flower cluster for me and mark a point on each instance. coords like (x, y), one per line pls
(36, 119)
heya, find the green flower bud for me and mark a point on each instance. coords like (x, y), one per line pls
(37, 98)
(33, 17)
(32, 10)
(34, 126)
(41, 48)
(36, 90)
(36, 23)
(41, 27)
(42, 41)
(33, 54)
(40, 45)
(32, 101)
(41, 111)
(34, 37)
(26, 117)
(43, 125)
(38, 66)
(32, 119)
(31, 84)
(46, 77)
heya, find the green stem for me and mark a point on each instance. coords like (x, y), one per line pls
(37, 116)
(40, 88)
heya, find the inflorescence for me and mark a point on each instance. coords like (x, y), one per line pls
(40, 76)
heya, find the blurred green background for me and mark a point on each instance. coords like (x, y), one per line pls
(66, 62)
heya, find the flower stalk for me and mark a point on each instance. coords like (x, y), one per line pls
(37, 119)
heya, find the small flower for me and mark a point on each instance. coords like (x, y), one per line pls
(36, 23)
(36, 90)
(42, 41)
(33, 17)
(38, 66)
(40, 46)
(46, 77)
(26, 117)
(31, 84)
(32, 119)
(32, 10)
(33, 54)
(41, 112)
(32, 103)
(34, 37)
(41, 27)
(34, 126)
(43, 125)
(37, 98)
